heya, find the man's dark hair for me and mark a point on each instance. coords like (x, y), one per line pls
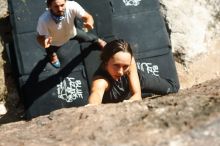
(49, 2)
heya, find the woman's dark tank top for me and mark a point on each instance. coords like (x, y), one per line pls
(117, 91)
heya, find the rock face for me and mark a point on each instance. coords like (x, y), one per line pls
(4, 8)
(194, 25)
(188, 118)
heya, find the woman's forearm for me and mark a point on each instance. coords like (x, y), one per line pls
(94, 99)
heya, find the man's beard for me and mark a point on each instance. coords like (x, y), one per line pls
(58, 14)
(57, 18)
(61, 13)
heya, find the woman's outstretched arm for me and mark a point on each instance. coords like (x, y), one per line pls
(134, 81)
(99, 85)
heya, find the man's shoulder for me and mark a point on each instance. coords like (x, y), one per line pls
(72, 4)
(44, 16)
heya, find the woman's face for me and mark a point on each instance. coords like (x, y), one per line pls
(58, 7)
(119, 64)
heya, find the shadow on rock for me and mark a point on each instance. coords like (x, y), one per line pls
(10, 96)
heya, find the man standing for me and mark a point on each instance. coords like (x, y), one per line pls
(56, 26)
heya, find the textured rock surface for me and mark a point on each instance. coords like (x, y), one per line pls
(194, 25)
(188, 118)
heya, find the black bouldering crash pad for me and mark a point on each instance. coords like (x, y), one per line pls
(44, 88)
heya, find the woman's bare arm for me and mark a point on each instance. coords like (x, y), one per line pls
(98, 88)
(134, 81)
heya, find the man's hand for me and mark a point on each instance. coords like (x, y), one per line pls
(47, 42)
(88, 26)
(88, 21)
